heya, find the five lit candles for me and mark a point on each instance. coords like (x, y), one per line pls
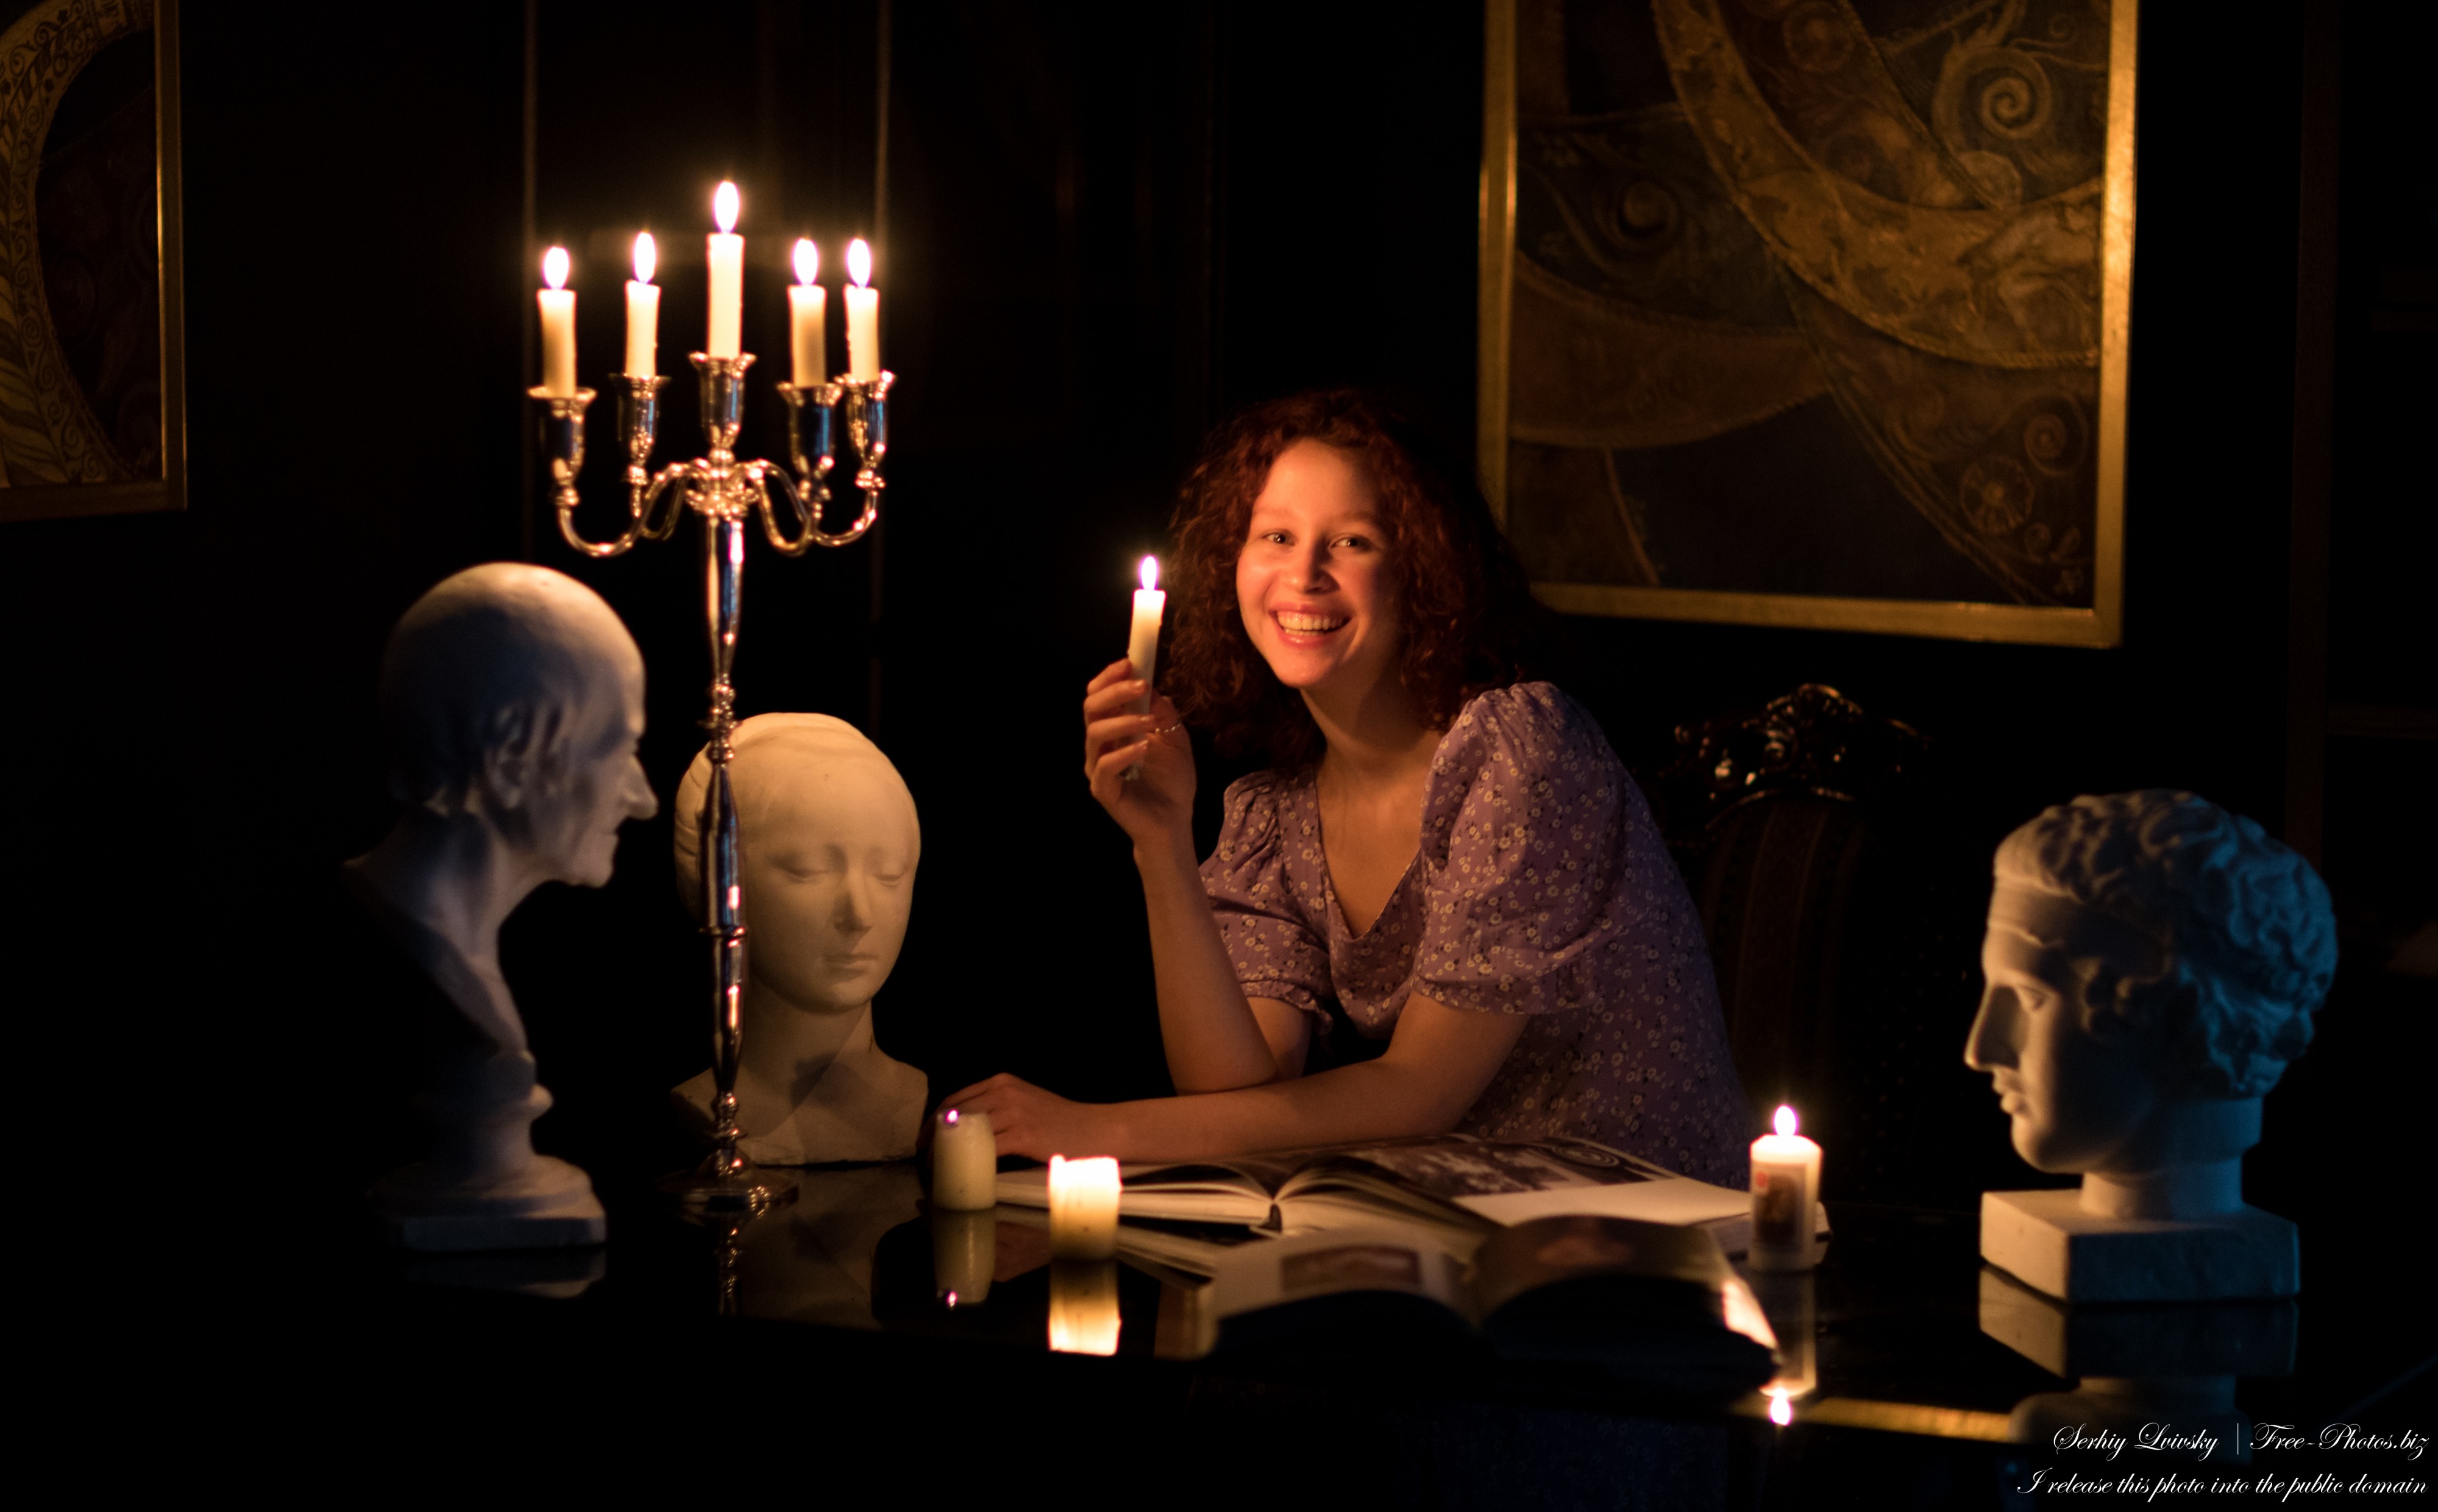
(807, 308)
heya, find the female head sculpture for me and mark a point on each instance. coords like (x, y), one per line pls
(2153, 963)
(830, 840)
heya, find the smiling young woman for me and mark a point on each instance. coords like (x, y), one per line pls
(1444, 851)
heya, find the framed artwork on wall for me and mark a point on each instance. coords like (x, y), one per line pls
(1811, 313)
(92, 373)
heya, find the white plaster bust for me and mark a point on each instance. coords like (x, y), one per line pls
(2153, 963)
(511, 701)
(829, 841)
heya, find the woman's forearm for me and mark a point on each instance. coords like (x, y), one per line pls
(1432, 1073)
(1212, 1037)
(1372, 1099)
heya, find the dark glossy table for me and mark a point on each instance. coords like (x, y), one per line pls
(833, 1304)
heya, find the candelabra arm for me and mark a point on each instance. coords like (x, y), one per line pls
(639, 415)
(815, 408)
(562, 430)
(867, 427)
(660, 529)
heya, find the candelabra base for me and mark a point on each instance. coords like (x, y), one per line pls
(729, 1183)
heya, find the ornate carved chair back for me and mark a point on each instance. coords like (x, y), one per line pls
(1802, 830)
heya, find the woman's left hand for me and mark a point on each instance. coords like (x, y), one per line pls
(1028, 1121)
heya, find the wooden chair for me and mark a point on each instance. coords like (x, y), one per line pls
(1844, 929)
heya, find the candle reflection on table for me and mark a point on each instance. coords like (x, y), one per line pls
(1790, 1301)
(964, 1250)
(1083, 1307)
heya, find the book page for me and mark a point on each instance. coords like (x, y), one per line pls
(1456, 1167)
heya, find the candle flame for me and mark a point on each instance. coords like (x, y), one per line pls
(808, 261)
(858, 263)
(723, 205)
(952, 1299)
(1784, 1122)
(648, 257)
(1781, 1411)
(950, 1117)
(553, 267)
(1149, 573)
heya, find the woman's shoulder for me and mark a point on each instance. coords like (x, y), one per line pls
(1525, 730)
(1252, 810)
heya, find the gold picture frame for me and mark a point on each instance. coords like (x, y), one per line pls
(2080, 601)
(79, 390)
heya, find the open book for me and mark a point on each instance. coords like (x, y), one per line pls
(1654, 1303)
(1460, 1186)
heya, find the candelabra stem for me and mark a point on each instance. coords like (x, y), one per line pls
(725, 1181)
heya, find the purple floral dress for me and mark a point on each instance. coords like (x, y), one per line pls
(1541, 887)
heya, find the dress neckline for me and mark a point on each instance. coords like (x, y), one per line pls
(1339, 926)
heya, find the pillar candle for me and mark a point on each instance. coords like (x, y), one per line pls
(808, 317)
(1143, 639)
(644, 311)
(862, 315)
(727, 254)
(557, 328)
(1785, 1184)
(964, 1162)
(1083, 1207)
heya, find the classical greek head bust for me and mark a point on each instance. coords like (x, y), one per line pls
(511, 700)
(2153, 962)
(829, 842)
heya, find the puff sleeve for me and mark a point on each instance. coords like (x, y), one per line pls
(1526, 841)
(1276, 950)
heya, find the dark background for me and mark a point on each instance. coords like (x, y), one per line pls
(1101, 227)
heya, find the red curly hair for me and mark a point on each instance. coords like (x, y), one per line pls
(1471, 622)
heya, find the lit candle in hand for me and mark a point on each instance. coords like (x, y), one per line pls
(808, 316)
(1083, 1207)
(1142, 640)
(557, 328)
(1785, 1184)
(726, 275)
(862, 315)
(644, 311)
(964, 1162)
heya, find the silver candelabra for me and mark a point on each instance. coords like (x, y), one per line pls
(725, 492)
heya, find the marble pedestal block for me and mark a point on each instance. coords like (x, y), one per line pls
(2251, 1337)
(550, 1206)
(2046, 1240)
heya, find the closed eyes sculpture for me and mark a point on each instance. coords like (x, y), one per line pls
(829, 843)
(2153, 963)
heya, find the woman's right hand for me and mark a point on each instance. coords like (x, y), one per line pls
(1156, 808)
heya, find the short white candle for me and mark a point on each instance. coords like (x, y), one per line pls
(1143, 639)
(862, 315)
(557, 326)
(1083, 1207)
(964, 1161)
(1785, 1184)
(727, 254)
(644, 311)
(808, 317)
(1084, 1317)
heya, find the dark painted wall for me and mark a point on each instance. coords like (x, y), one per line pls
(1102, 229)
